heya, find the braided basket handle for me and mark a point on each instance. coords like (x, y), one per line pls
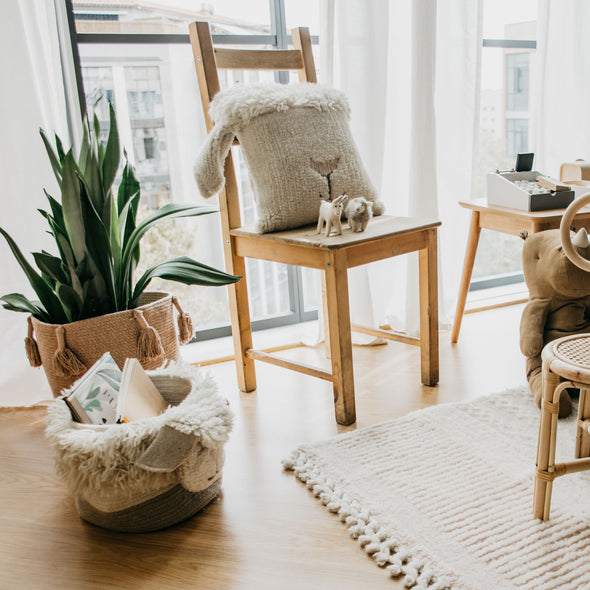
(185, 323)
(31, 347)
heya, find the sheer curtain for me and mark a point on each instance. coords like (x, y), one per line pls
(411, 71)
(32, 96)
(561, 121)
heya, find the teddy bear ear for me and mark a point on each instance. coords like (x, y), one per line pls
(580, 240)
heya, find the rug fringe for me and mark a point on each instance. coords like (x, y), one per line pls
(386, 550)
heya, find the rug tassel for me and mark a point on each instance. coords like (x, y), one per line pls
(65, 361)
(185, 323)
(31, 348)
(149, 345)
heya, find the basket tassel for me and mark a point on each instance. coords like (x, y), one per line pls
(31, 347)
(149, 345)
(65, 361)
(185, 323)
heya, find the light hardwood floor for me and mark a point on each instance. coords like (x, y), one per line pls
(266, 530)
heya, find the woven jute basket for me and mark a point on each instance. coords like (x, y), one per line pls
(147, 332)
(152, 473)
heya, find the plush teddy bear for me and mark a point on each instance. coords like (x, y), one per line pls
(559, 301)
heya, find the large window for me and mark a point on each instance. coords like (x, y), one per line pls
(508, 59)
(137, 55)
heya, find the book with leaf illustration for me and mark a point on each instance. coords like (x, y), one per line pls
(107, 395)
(94, 399)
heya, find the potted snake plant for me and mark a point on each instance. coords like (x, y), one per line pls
(88, 298)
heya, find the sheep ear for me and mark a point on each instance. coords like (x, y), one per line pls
(208, 168)
(167, 451)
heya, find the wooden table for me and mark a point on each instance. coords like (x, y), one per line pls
(506, 221)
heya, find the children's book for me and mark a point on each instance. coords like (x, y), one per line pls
(95, 397)
(138, 396)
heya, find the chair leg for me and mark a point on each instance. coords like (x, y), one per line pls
(241, 327)
(582, 434)
(429, 311)
(340, 338)
(546, 441)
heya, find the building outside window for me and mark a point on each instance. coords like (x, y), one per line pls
(507, 70)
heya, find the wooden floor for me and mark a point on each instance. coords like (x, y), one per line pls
(266, 531)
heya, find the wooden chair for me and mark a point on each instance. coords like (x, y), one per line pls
(384, 237)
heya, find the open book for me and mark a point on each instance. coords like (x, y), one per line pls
(138, 396)
(106, 395)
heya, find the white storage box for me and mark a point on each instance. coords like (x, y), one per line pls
(519, 190)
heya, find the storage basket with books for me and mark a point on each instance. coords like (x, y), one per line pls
(140, 451)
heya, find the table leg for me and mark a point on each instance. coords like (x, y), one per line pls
(472, 241)
(429, 366)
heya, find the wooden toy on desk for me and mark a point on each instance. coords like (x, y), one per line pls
(330, 213)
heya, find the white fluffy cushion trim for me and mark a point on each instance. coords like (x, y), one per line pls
(93, 458)
(238, 105)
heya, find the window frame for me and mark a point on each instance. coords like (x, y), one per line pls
(279, 39)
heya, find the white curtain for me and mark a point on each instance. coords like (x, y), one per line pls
(561, 111)
(411, 71)
(32, 96)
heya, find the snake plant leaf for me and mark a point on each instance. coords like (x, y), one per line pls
(71, 301)
(184, 270)
(72, 208)
(170, 210)
(59, 148)
(18, 302)
(41, 287)
(91, 177)
(56, 209)
(114, 236)
(112, 157)
(84, 146)
(54, 160)
(52, 266)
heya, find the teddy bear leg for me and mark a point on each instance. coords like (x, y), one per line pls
(535, 378)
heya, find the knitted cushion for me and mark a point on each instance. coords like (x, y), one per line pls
(298, 147)
(152, 473)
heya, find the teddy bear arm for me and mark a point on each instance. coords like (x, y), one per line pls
(532, 326)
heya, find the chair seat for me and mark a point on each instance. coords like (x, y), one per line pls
(379, 227)
(569, 357)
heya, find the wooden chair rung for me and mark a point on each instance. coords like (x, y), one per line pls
(258, 59)
(387, 334)
(280, 362)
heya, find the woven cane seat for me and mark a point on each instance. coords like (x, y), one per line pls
(575, 350)
(569, 357)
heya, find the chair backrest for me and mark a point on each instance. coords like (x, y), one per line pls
(210, 59)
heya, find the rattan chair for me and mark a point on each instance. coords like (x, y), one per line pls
(384, 237)
(566, 363)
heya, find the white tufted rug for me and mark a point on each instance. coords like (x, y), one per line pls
(444, 496)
